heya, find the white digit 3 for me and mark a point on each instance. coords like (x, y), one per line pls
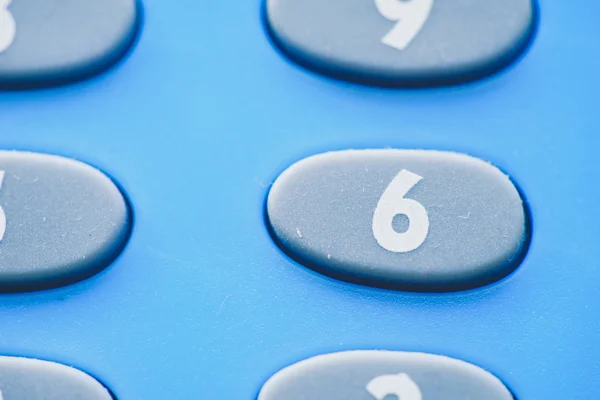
(8, 27)
(393, 203)
(411, 16)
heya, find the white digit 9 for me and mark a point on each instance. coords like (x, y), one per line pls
(411, 16)
(393, 203)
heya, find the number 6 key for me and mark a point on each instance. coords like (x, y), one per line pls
(404, 219)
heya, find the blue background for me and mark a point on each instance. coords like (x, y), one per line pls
(200, 118)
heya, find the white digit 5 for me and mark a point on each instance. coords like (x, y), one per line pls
(2, 222)
(8, 27)
(393, 203)
(411, 16)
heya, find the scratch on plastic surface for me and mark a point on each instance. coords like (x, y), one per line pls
(261, 184)
(167, 257)
(299, 233)
(220, 307)
(465, 217)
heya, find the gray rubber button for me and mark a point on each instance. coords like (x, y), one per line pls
(30, 379)
(60, 221)
(383, 375)
(404, 219)
(57, 41)
(402, 42)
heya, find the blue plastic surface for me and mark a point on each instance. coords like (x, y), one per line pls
(197, 121)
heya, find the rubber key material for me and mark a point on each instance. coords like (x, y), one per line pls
(60, 221)
(402, 43)
(31, 379)
(412, 220)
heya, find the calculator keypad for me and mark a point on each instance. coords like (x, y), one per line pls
(197, 127)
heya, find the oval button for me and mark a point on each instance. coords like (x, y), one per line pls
(383, 375)
(405, 219)
(400, 42)
(30, 379)
(56, 41)
(60, 221)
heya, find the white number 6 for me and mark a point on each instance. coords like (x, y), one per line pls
(393, 203)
